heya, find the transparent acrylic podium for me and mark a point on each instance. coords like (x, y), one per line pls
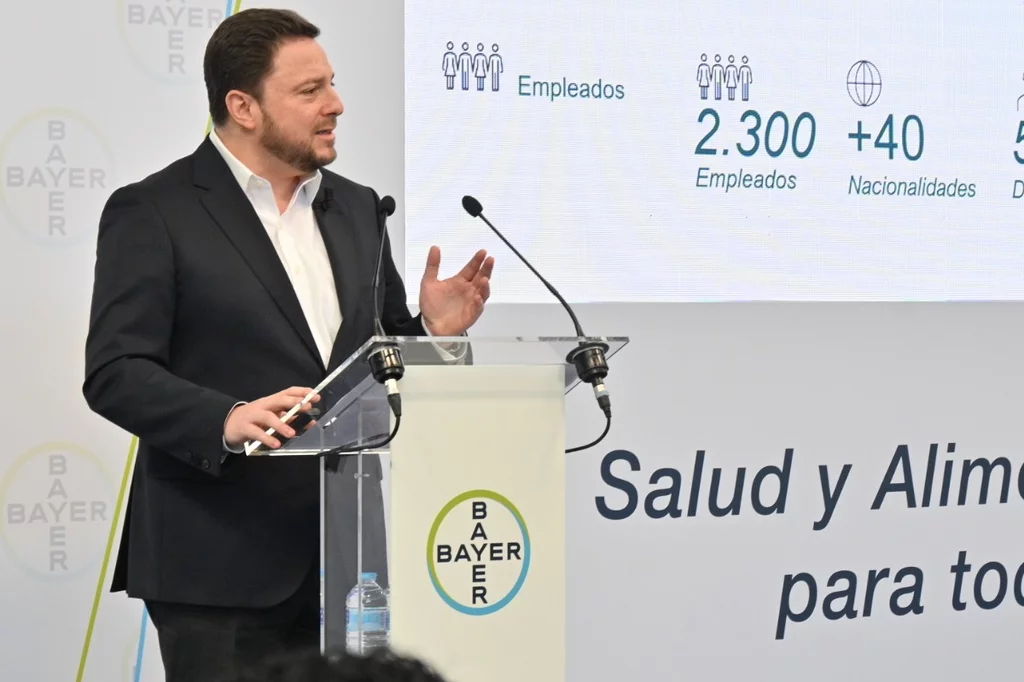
(447, 543)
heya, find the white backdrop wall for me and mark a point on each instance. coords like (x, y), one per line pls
(656, 592)
(98, 94)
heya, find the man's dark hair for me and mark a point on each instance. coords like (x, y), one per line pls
(311, 666)
(241, 52)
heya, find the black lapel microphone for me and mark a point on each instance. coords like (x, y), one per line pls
(327, 199)
(385, 358)
(589, 357)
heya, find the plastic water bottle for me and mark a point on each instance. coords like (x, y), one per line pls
(375, 616)
(321, 598)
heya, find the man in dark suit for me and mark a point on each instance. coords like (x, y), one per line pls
(226, 286)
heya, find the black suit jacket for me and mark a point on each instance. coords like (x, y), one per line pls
(192, 311)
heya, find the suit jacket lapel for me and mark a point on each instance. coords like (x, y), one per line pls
(336, 225)
(233, 212)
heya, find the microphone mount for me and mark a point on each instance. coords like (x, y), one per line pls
(385, 358)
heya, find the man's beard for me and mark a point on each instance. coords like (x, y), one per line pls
(300, 156)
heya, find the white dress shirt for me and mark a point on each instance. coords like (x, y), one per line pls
(300, 246)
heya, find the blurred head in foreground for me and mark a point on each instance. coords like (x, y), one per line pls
(312, 666)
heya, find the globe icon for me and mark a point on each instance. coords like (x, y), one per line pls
(864, 83)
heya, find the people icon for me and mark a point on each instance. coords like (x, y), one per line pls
(703, 76)
(494, 65)
(730, 75)
(717, 76)
(465, 64)
(746, 78)
(449, 64)
(479, 66)
(731, 78)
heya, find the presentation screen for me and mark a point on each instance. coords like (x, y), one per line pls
(717, 151)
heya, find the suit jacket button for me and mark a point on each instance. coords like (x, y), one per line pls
(206, 463)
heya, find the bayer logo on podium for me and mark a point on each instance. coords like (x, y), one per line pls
(478, 552)
(864, 83)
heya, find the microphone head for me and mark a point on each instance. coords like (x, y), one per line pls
(472, 206)
(387, 205)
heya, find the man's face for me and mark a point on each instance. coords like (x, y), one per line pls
(300, 107)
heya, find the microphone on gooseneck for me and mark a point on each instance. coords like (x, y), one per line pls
(385, 357)
(588, 357)
(385, 210)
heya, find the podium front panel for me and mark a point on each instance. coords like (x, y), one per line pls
(447, 543)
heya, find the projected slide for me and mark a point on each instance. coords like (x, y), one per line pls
(685, 151)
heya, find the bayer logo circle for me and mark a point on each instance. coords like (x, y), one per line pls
(167, 39)
(864, 83)
(58, 503)
(478, 552)
(58, 172)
